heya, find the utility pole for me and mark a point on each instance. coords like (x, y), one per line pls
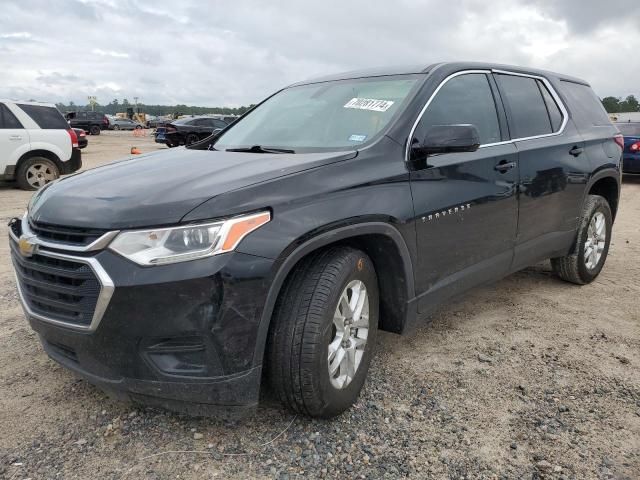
(135, 100)
(92, 102)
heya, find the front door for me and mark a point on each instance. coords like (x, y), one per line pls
(465, 203)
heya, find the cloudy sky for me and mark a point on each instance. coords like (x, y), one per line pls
(235, 52)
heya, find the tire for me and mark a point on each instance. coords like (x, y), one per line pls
(116, 127)
(580, 267)
(191, 139)
(302, 329)
(94, 130)
(138, 127)
(35, 173)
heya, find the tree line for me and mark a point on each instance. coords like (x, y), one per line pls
(115, 106)
(617, 105)
(611, 105)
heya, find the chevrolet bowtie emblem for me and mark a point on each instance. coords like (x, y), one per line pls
(27, 245)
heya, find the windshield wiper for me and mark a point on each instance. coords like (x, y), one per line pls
(260, 149)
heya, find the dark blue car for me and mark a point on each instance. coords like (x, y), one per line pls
(631, 155)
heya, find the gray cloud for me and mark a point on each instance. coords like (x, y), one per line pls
(235, 53)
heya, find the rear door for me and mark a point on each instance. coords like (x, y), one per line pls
(553, 167)
(465, 203)
(48, 130)
(14, 140)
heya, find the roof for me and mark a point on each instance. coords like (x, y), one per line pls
(42, 104)
(453, 66)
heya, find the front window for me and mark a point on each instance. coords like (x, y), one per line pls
(337, 115)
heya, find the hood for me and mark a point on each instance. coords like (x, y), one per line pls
(162, 187)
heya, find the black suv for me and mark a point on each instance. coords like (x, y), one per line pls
(336, 207)
(92, 122)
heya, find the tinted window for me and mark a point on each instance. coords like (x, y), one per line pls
(552, 107)
(45, 117)
(463, 99)
(7, 118)
(586, 107)
(81, 115)
(529, 115)
(629, 129)
(219, 124)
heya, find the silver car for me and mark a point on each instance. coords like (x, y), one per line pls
(124, 124)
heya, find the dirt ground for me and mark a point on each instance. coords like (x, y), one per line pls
(528, 378)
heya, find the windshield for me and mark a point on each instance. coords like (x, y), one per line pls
(326, 116)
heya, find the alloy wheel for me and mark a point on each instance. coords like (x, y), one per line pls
(39, 174)
(350, 330)
(596, 240)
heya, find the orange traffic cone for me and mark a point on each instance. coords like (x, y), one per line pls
(135, 151)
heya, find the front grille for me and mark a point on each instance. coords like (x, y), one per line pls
(60, 290)
(68, 235)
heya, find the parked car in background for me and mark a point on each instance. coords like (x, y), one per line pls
(92, 122)
(336, 207)
(155, 122)
(631, 155)
(82, 138)
(124, 124)
(36, 144)
(187, 131)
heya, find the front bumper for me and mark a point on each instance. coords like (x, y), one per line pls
(179, 336)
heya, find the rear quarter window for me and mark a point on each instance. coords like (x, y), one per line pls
(586, 108)
(48, 118)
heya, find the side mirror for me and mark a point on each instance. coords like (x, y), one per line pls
(448, 139)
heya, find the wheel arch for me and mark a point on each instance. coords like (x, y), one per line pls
(390, 255)
(606, 183)
(40, 153)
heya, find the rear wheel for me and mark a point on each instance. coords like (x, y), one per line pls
(592, 244)
(116, 127)
(323, 332)
(191, 139)
(94, 130)
(36, 172)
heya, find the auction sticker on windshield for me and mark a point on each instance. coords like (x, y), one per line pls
(369, 104)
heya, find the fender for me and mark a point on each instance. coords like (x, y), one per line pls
(606, 171)
(323, 240)
(63, 155)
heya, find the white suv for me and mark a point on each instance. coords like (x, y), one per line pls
(37, 145)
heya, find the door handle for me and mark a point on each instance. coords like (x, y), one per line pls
(575, 151)
(15, 137)
(503, 166)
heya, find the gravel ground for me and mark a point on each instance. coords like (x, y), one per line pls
(527, 378)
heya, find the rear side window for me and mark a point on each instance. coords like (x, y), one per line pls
(585, 106)
(529, 116)
(48, 118)
(8, 119)
(463, 99)
(629, 129)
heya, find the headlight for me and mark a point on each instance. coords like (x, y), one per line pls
(178, 244)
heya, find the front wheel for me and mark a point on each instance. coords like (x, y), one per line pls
(592, 244)
(323, 332)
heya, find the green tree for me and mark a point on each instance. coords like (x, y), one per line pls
(611, 104)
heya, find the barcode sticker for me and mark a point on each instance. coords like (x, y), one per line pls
(369, 104)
